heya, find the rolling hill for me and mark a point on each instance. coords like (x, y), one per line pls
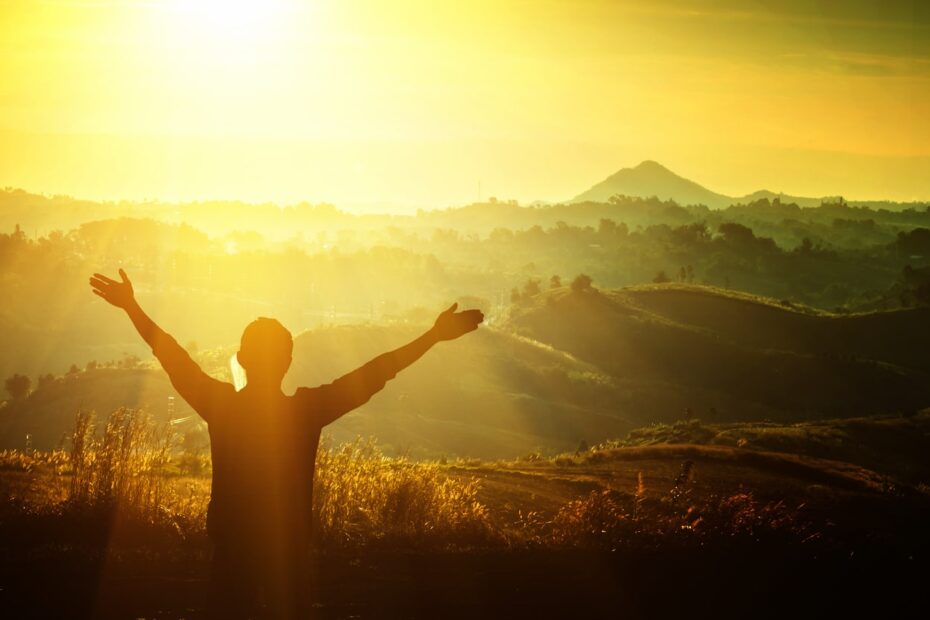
(735, 357)
(567, 367)
(491, 395)
(889, 445)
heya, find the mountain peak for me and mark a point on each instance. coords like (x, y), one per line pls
(650, 164)
(650, 178)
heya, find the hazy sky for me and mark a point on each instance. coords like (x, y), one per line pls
(417, 103)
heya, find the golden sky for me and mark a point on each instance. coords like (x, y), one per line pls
(419, 104)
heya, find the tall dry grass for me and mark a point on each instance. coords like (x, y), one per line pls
(130, 471)
(127, 463)
(611, 518)
(133, 467)
(359, 494)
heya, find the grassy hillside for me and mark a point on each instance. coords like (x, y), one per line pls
(47, 414)
(490, 395)
(566, 368)
(897, 337)
(736, 357)
(893, 446)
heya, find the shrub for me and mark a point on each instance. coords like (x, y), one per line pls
(600, 519)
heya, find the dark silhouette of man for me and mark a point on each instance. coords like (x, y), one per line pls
(263, 444)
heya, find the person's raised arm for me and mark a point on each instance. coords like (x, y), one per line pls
(121, 295)
(196, 387)
(357, 387)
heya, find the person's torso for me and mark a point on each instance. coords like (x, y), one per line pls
(264, 452)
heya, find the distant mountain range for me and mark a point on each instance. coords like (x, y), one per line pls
(653, 179)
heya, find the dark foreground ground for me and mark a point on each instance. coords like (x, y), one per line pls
(757, 582)
(866, 554)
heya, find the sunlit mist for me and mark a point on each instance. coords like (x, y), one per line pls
(413, 104)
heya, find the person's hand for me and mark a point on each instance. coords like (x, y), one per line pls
(117, 293)
(451, 324)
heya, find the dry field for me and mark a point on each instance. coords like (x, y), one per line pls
(115, 527)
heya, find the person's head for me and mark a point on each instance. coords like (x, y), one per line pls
(265, 351)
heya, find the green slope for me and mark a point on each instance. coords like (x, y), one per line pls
(739, 357)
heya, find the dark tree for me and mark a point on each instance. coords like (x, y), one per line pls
(661, 278)
(18, 386)
(738, 233)
(915, 242)
(806, 248)
(531, 288)
(130, 362)
(45, 381)
(555, 282)
(582, 283)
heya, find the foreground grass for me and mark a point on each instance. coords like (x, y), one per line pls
(130, 473)
(117, 523)
(127, 483)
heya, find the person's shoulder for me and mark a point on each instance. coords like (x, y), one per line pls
(309, 403)
(225, 389)
(305, 396)
(213, 401)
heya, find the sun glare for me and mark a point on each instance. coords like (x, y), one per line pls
(231, 28)
(233, 18)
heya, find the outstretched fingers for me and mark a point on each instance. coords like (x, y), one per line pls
(102, 277)
(99, 284)
(113, 291)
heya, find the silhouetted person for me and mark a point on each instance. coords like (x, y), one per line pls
(263, 444)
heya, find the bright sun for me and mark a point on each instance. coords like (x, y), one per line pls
(202, 40)
(233, 17)
(222, 23)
